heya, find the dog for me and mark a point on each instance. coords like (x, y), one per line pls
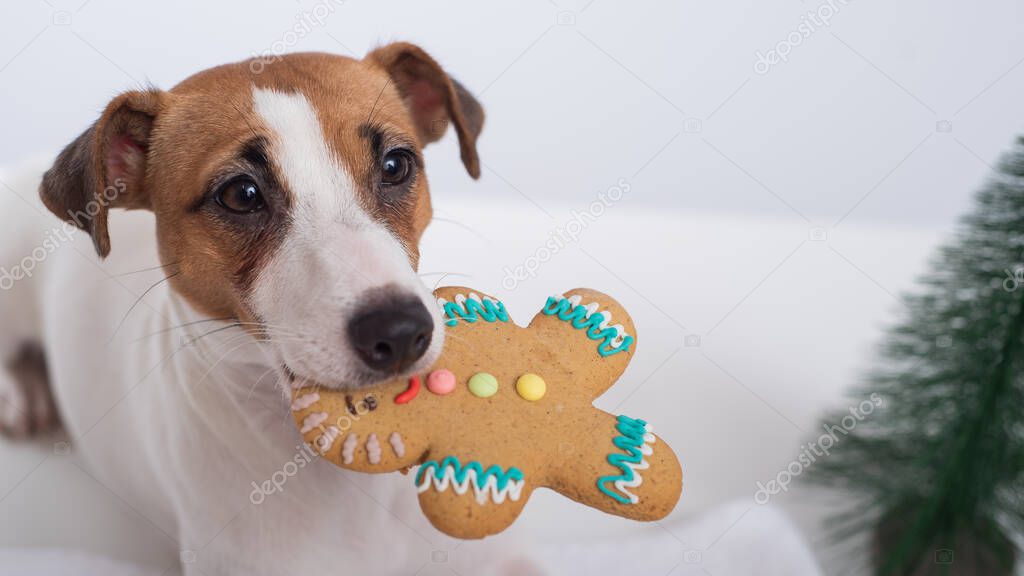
(276, 207)
(287, 202)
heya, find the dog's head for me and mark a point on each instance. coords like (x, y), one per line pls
(289, 194)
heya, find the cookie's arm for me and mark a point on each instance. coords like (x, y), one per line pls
(616, 464)
(359, 431)
(591, 329)
(462, 306)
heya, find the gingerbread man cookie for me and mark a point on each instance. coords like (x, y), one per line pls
(505, 410)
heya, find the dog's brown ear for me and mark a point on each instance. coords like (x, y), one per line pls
(433, 98)
(104, 167)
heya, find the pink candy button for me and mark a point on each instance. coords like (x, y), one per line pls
(441, 382)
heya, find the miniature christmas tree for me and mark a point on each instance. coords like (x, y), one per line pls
(938, 469)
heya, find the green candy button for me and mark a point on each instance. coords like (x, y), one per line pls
(483, 385)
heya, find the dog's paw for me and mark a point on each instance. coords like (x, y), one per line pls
(27, 406)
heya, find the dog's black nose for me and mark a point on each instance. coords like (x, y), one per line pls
(391, 337)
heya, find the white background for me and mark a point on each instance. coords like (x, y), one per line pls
(776, 216)
(573, 107)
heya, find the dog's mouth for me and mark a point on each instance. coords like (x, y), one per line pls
(361, 380)
(384, 335)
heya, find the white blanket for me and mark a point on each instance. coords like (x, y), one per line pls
(737, 539)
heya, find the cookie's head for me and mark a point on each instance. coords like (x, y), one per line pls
(505, 410)
(290, 194)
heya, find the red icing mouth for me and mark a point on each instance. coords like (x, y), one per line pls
(410, 392)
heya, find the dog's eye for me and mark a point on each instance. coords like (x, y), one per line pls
(396, 167)
(241, 196)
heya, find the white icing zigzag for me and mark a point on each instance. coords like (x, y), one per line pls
(305, 401)
(312, 421)
(373, 449)
(460, 299)
(396, 444)
(489, 491)
(348, 449)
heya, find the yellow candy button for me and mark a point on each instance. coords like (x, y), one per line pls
(531, 387)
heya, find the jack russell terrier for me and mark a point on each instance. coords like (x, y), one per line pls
(288, 197)
(288, 201)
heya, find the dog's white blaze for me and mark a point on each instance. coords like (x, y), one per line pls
(333, 252)
(323, 190)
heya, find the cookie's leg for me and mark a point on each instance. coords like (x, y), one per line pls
(467, 500)
(27, 406)
(618, 465)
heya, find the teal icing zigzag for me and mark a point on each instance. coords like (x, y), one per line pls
(587, 318)
(473, 308)
(502, 477)
(633, 441)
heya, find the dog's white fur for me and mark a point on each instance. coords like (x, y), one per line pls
(183, 418)
(180, 428)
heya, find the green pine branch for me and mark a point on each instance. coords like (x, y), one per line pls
(944, 455)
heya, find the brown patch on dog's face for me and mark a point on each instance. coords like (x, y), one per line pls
(219, 252)
(365, 121)
(284, 195)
